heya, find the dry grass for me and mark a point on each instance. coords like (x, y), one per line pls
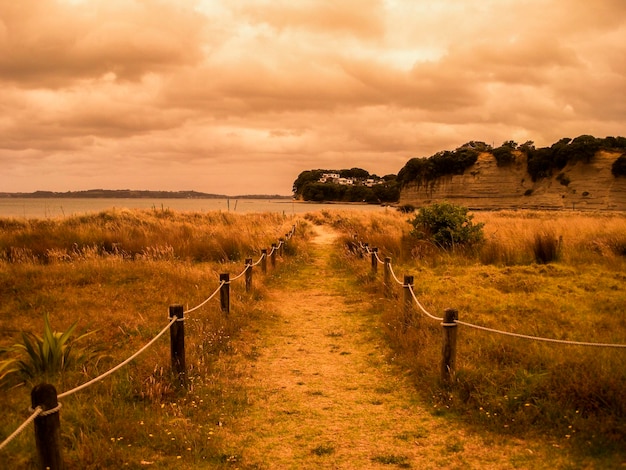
(118, 272)
(570, 287)
(134, 234)
(152, 259)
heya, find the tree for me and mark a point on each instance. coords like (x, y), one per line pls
(447, 225)
(354, 173)
(527, 146)
(309, 176)
(504, 154)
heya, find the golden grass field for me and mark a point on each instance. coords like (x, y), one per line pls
(509, 384)
(118, 271)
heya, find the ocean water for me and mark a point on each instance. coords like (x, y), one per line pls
(48, 208)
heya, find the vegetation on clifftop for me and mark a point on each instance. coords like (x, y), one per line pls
(442, 163)
(352, 185)
(541, 162)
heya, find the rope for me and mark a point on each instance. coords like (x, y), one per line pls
(47, 412)
(273, 250)
(538, 338)
(36, 412)
(121, 364)
(260, 259)
(429, 315)
(210, 297)
(394, 275)
(379, 260)
(248, 266)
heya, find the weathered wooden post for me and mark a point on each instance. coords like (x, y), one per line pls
(387, 277)
(408, 300)
(448, 351)
(47, 426)
(177, 343)
(264, 260)
(273, 256)
(281, 244)
(248, 274)
(374, 261)
(225, 293)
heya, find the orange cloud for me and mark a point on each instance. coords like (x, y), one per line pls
(241, 96)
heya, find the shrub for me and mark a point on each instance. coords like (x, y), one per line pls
(619, 166)
(406, 208)
(546, 247)
(563, 179)
(447, 225)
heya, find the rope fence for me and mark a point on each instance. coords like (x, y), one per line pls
(450, 320)
(44, 398)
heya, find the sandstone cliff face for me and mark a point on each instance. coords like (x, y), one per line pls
(590, 186)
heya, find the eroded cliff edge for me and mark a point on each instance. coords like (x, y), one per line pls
(485, 185)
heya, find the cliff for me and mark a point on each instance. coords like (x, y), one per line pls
(485, 185)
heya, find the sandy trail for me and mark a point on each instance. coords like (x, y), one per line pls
(322, 394)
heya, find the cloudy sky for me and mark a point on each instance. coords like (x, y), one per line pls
(240, 96)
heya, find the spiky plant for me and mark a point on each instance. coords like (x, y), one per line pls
(45, 355)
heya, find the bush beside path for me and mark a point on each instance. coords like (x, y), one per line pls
(323, 392)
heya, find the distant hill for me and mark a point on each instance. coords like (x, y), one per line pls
(135, 194)
(582, 173)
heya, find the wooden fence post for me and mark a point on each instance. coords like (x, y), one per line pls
(273, 256)
(264, 260)
(387, 277)
(248, 274)
(177, 343)
(448, 351)
(225, 293)
(408, 301)
(47, 427)
(281, 242)
(374, 261)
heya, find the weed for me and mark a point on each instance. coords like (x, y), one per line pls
(398, 460)
(323, 449)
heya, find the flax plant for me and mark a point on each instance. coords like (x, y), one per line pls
(46, 355)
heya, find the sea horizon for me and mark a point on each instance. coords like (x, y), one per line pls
(61, 207)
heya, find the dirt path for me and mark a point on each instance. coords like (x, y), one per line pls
(322, 394)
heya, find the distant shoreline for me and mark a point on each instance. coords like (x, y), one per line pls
(134, 194)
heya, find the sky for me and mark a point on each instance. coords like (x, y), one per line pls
(240, 96)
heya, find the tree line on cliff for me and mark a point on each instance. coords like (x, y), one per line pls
(541, 162)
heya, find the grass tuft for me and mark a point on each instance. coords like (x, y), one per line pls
(323, 449)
